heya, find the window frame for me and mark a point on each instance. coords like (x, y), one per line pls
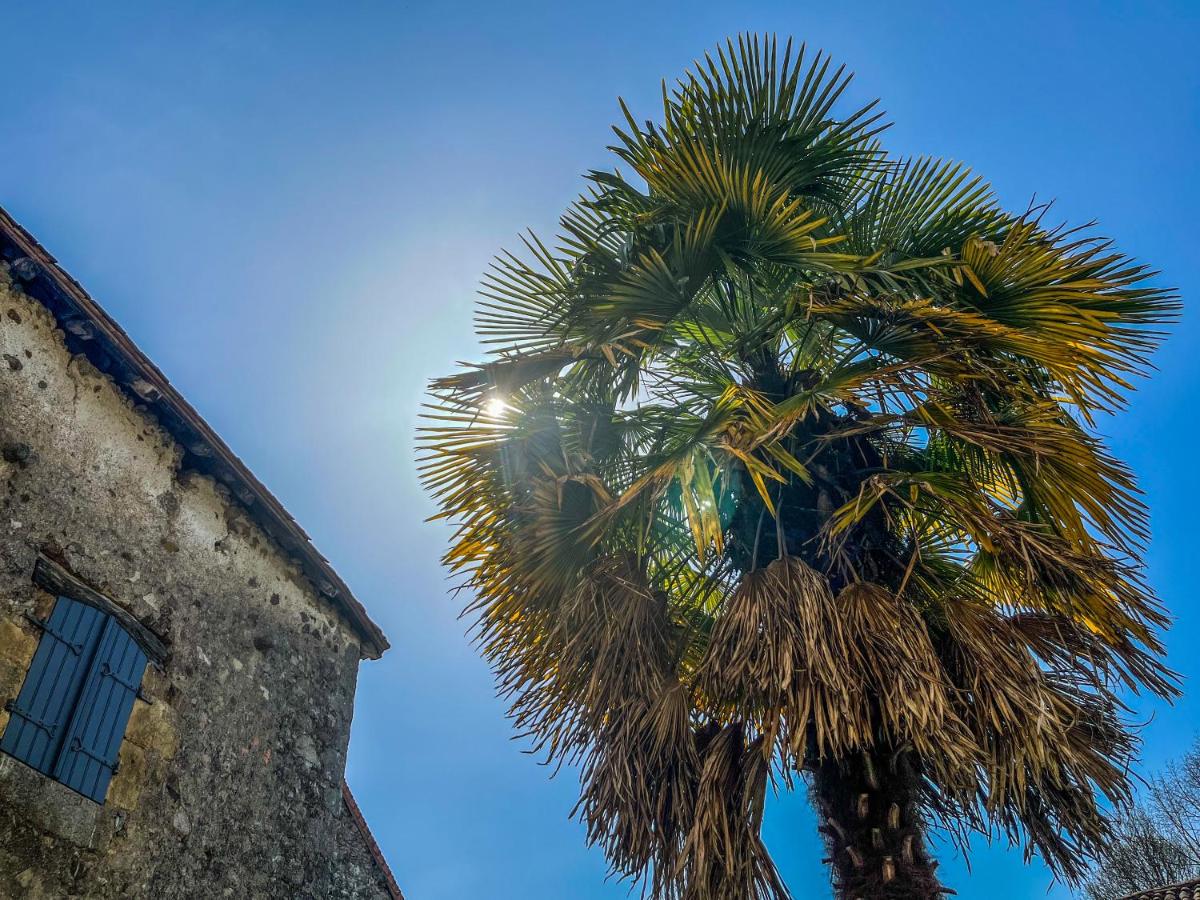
(86, 715)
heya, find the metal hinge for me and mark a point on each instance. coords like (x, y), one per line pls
(135, 689)
(77, 747)
(54, 633)
(107, 672)
(11, 706)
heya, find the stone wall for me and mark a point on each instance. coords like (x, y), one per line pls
(230, 776)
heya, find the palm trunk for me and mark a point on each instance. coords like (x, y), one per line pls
(870, 817)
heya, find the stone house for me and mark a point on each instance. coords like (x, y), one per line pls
(177, 661)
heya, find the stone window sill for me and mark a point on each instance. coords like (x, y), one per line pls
(49, 806)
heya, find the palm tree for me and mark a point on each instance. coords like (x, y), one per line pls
(784, 467)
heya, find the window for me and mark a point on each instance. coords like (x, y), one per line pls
(69, 718)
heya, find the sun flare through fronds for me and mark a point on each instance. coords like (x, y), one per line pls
(784, 465)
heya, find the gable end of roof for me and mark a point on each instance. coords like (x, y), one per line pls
(90, 331)
(376, 854)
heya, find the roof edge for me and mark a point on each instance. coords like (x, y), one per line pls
(1155, 892)
(365, 830)
(91, 331)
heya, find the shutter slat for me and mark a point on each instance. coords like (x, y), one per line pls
(93, 740)
(93, 737)
(50, 669)
(72, 766)
(110, 730)
(39, 714)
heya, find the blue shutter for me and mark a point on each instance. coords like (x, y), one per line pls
(38, 716)
(88, 756)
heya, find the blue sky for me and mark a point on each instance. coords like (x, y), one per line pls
(289, 206)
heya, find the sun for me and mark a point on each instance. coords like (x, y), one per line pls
(495, 407)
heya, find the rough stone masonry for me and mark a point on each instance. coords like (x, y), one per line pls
(230, 780)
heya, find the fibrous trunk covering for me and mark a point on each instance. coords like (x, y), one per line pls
(870, 819)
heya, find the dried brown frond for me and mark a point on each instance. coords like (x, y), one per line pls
(908, 686)
(724, 857)
(780, 647)
(1050, 740)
